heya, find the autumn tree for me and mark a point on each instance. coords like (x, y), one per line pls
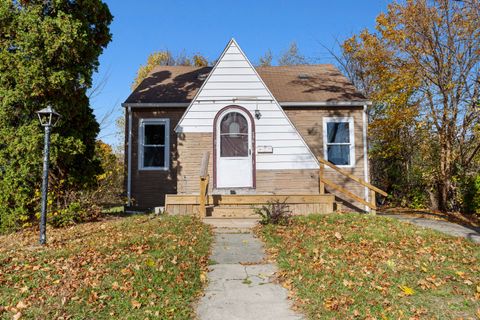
(292, 56)
(166, 58)
(266, 60)
(421, 68)
(48, 53)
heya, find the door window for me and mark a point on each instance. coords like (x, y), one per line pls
(234, 135)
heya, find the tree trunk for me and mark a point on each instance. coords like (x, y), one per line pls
(433, 200)
(444, 182)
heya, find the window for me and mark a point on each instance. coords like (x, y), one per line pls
(338, 141)
(233, 135)
(154, 144)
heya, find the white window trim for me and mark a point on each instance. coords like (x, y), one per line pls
(352, 138)
(141, 139)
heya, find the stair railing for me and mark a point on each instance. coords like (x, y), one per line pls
(326, 182)
(204, 180)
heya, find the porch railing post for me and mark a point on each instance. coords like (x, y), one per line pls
(204, 180)
(373, 201)
(321, 184)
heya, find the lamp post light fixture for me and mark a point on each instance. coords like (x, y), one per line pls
(48, 118)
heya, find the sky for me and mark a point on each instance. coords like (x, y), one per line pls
(141, 27)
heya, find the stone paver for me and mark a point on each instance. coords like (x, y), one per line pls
(452, 229)
(223, 225)
(241, 282)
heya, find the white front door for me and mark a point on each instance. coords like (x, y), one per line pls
(234, 165)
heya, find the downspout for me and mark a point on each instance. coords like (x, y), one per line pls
(129, 157)
(365, 155)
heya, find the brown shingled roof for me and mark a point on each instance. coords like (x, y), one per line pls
(323, 83)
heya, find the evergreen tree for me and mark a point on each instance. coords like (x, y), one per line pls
(49, 51)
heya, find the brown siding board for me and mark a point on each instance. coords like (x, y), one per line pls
(309, 123)
(149, 187)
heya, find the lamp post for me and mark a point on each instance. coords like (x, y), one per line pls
(48, 119)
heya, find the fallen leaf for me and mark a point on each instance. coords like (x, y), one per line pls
(17, 316)
(21, 305)
(203, 277)
(407, 290)
(115, 285)
(338, 235)
(150, 263)
(136, 304)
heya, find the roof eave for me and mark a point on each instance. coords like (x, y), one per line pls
(283, 104)
(155, 104)
(325, 103)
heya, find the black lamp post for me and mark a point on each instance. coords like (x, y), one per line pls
(48, 119)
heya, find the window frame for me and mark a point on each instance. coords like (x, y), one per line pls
(141, 145)
(351, 133)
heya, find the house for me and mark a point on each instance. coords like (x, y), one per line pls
(299, 132)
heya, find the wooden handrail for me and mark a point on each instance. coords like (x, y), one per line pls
(335, 186)
(373, 190)
(204, 164)
(204, 179)
(354, 178)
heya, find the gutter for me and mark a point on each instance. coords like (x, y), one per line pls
(365, 155)
(326, 104)
(129, 157)
(153, 105)
(234, 100)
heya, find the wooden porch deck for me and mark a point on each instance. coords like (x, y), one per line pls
(243, 206)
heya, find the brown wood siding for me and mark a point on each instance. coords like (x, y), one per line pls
(309, 122)
(149, 187)
(287, 181)
(191, 147)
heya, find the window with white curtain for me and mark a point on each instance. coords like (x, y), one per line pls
(154, 144)
(338, 141)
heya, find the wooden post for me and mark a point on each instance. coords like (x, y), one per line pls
(373, 201)
(320, 179)
(204, 179)
(202, 209)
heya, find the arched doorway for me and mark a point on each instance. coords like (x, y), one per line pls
(234, 158)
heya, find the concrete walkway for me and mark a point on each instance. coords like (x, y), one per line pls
(240, 282)
(452, 229)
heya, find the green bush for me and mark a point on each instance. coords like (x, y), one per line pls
(75, 212)
(471, 195)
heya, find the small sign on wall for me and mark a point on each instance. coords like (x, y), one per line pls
(265, 149)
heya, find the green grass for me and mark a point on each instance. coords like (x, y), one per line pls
(136, 267)
(355, 266)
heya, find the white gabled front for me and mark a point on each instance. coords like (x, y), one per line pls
(234, 81)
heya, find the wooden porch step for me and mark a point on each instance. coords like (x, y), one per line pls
(242, 206)
(240, 211)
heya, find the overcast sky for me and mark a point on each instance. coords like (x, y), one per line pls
(141, 27)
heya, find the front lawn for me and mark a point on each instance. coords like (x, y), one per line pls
(351, 266)
(137, 267)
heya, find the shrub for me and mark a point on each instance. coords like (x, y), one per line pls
(75, 212)
(471, 195)
(275, 212)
